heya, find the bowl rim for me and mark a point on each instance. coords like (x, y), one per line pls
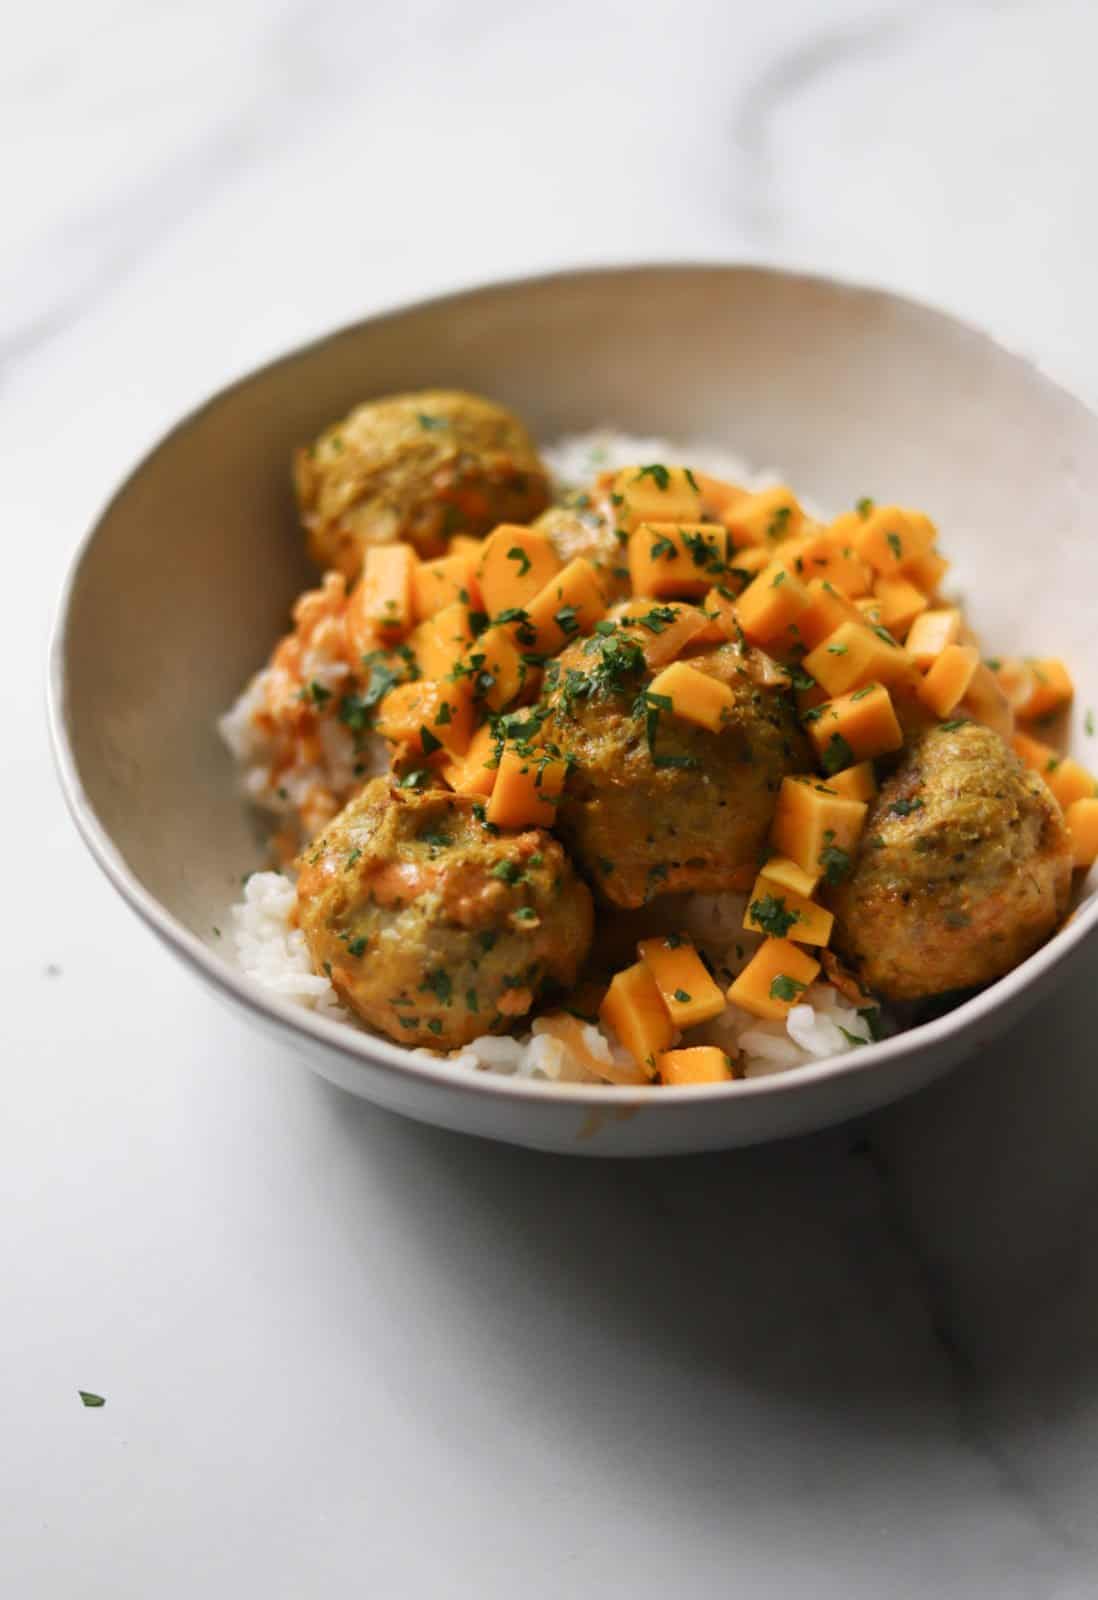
(361, 1049)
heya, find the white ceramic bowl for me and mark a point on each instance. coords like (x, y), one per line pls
(179, 590)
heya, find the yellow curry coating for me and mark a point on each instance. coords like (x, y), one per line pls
(964, 869)
(420, 467)
(434, 928)
(654, 805)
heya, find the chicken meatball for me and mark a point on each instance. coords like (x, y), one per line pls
(434, 928)
(419, 467)
(964, 869)
(653, 804)
(584, 527)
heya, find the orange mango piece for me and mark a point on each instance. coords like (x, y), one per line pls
(718, 495)
(856, 654)
(380, 606)
(827, 610)
(764, 518)
(782, 873)
(655, 493)
(770, 608)
(515, 565)
(664, 631)
(891, 538)
(1052, 687)
(685, 986)
(498, 668)
(1067, 778)
(526, 790)
(774, 980)
(475, 771)
(855, 727)
(931, 633)
(810, 922)
(694, 696)
(568, 607)
(900, 603)
(702, 1064)
(443, 582)
(944, 686)
(1081, 817)
(810, 816)
(820, 555)
(927, 571)
(743, 565)
(676, 560)
(634, 1008)
(428, 716)
(441, 642)
(856, 783)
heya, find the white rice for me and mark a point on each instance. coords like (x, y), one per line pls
(272, 952)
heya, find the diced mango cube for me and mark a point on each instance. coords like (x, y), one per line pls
(810, 817)
(702, 1064)
(931, 633)
(854, 727)
(568, 607)
(380, 606)
(856, 783)
(782, 873)
(475, 771)
(693, 696)
(1067, 778)
(1052, 687)
(664, 631)
(927, 572)
(442, 583)
(855, 655)
(786, 914)
(891, 538)
(515, 565)
(770, 607)
(655, 494)
(827, 610)
(900, 603)
(1081, 817)
(774, 980)
(442, 641)
(634, 1008)
(526, 790)
(428, 716)
(950, 674)
(764, 518)
(676, 560)
(498, 670)
(688, 991)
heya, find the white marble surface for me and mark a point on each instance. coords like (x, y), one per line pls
(346, 1355)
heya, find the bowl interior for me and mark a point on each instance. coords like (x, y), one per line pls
(187, 579)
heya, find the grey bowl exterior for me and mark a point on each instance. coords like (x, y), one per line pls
(179, 589)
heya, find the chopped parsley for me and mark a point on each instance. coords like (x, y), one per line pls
(434, 1025)
(904, 808)
(779, 522)
(471, 1002)
(883, 633)
(439, 984)
(356, 947)
(526, 914)
(315, 693)
(837, 755)
(1088, 723)
(835, 863)
(517, 553)
(682, 997)
(428, 741)
(92, 1401)
(506, 872)
(430, 424)
(771, 914)
(659, 475)
(895, 544)
(418, 778)
(785, 988)
(864, 506)
(958, 722)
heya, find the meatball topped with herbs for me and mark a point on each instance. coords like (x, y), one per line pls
(654, 804)
(964, 868)
(420, 467)
(434, 927)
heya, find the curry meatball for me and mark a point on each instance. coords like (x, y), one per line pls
(419, 467)
(653, 804)
(434, 928)
(584, 527)
(963, 870)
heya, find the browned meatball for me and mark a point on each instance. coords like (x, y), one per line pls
(433, 928)
(964, 869)
(419, 467)
(654, 804)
